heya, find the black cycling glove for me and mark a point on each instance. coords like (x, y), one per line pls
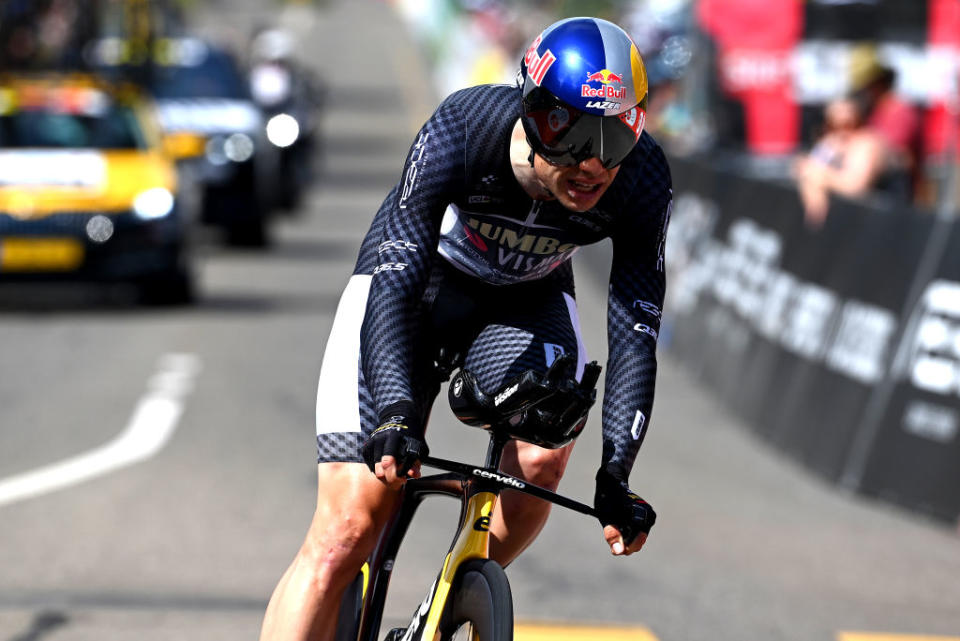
(399, 435)
(616, 505)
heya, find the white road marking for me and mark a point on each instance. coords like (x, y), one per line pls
(149, 429)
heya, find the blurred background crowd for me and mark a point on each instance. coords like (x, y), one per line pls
(813, 146)
(754, 80)
(850, 97)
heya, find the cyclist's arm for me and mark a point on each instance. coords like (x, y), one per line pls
(637, 286)
(409, 224)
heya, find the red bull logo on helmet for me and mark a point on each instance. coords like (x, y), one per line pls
(538, 65)
(605, 76)
(608, 90)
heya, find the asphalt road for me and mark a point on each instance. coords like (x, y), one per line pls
(180, 529)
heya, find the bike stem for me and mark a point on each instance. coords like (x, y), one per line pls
(495, 449)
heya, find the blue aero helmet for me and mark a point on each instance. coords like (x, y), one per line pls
(584, 91)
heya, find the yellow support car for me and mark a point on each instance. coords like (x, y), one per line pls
(89, 187)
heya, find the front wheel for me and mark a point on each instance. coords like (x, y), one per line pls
(481, 607)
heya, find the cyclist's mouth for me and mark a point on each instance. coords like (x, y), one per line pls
(583, 191)
(585, 187)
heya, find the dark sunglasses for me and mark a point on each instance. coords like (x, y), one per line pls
(566, 136)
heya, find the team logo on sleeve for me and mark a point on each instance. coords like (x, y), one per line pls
(414, 168)
(639, 423)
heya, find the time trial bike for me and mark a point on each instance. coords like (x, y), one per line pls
(471, 598)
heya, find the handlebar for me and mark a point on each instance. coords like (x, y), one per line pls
(509, 482)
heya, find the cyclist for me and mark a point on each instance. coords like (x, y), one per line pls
(467, 262)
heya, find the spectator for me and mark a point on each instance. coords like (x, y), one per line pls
(896, 120)
(848, 159)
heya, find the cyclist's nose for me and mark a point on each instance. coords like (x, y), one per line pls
(592, 166)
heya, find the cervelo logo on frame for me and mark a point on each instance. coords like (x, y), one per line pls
(500, 478)
(538, 65)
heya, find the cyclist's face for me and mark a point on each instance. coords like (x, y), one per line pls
(579, 187)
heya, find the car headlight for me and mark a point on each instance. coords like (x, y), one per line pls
(238, 147)
(283, 130)
(153, 203)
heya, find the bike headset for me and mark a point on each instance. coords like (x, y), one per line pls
(548, 409)
(584, 91)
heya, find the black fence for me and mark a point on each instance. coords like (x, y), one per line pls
(840, 345)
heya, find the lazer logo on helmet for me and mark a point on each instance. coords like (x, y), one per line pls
(537, 65)
(596, 104)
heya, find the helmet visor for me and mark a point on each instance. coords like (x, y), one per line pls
(567, 136)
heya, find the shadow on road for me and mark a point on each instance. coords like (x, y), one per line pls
(43, 623)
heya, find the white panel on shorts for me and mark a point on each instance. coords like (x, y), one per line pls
(338, 393)
(575, 322)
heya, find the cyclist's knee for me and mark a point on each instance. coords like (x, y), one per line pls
(336, 546)
(538, 465)
(352, 507)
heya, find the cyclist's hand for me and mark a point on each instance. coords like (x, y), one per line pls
(626, 518)
(394, 450)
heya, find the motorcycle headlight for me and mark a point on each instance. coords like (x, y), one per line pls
(283, 130)
(153, 203)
